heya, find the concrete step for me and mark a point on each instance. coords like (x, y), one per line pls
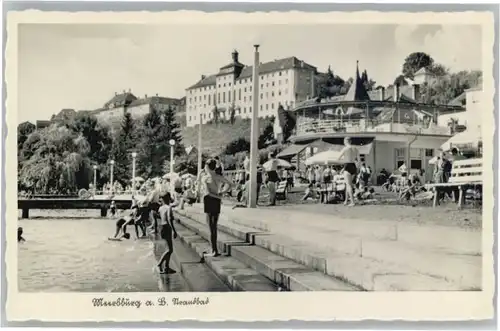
(186, 262)
(234, 273)
(427, 237)
(371, 265)
(282, 271)
(458, 267)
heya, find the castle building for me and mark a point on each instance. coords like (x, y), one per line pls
(115, 108)
(283, 82)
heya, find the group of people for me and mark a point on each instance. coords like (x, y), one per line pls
(155, 211)
(269, 174)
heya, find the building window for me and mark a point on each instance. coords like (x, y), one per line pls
(416, 164)
(362, 157)
(189, 118)
(272, 94)
(229, 96)
(267, 84)
(244, 110)
(250, 98)
(223, 97)
(262, 95)
(267, 106)
(245, 89)
(239, 94)
(272, 83)
(209, 99)
(429, 152)
(229, 84)
(261, 85)
(272, 106)
(244, 99)
(260, 107)
(250, 109)
(224, 84)
(279, 92)
(218, 97)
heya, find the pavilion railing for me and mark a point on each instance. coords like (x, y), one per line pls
(363, 126)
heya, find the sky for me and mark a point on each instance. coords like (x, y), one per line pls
(81, 66)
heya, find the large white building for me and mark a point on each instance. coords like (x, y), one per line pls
(286, 81)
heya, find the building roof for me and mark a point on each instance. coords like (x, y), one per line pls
(206, 81)
(276, 65)
(154, 100)
(422, 71)
(357, 91)
(120, 100)
(264, 68)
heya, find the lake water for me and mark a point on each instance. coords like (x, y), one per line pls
(68, 251)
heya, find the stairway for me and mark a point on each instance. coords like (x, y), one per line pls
(245, 266)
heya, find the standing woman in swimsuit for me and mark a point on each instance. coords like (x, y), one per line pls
(212, 195)
(350, 155)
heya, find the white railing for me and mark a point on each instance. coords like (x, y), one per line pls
(361, 125)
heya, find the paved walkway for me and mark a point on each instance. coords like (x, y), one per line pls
(373, 254)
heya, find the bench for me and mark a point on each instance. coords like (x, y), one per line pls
(337, 186)
(465, 174)
(282, 190)
(26, 204)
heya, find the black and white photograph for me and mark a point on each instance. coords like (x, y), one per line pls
(171, 158)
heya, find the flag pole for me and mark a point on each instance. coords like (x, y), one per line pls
(254, 150)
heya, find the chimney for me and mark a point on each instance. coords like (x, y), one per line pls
(156, 94)
(302, 64)
(235, 56)
(145, 96)
(396, 93)
(381, 92)
(415, 92)
(203, 77)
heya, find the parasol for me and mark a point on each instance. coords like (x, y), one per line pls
(281, 164)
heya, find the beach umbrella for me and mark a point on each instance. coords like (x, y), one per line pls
(325, 158)
(433, 160)
(403, 168)
(467, 137)
(281, 163)
(138, 179)
(187, 175)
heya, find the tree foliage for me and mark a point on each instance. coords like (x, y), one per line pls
(23, 131)
(414, 62)
(123, 145)
(158, 128)
(58, 161)
(445, 89)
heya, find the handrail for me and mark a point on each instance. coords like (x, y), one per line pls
(312, 126)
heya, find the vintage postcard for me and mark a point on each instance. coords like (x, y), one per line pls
(265, 166)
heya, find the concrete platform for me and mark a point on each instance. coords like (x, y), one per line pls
(371, 260)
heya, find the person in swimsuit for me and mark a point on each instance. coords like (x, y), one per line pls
(20, 234)
(273, 178)
(112, 208)
(350, 155)
(210, 184)
(167, 228)
(121, 226)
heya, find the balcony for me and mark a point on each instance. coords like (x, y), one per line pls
(336, 126)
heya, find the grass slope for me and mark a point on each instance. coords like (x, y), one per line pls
(216, 137)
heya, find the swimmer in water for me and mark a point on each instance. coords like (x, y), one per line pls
(121, 226)
(350, 156)
(20, 234)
